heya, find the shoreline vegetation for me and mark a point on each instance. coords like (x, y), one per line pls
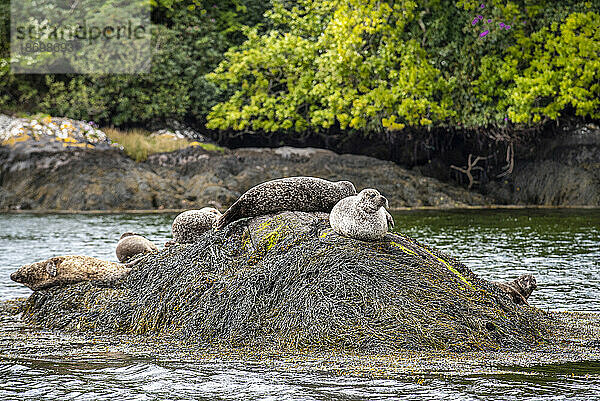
(138, 144)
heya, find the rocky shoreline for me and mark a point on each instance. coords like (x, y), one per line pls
(57, 171)
(289, 281)
(66, 165)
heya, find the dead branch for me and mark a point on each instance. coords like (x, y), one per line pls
(510, 160)
(471, 165)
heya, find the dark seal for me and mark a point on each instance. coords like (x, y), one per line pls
(520, 289)
(297, 194)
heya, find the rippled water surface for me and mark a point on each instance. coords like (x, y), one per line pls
(131, 379)
(561, 248)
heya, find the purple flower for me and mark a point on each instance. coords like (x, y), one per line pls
(482, 34)
(507, 26)
(490, 20)
(482, 5)
(474, 21)
(501, 25)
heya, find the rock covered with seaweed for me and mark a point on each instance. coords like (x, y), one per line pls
(288, 281)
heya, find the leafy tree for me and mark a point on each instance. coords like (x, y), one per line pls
(562, 71)
(189, 40)
(342, 62)
(380, 65)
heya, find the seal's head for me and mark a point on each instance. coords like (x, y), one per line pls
(38, 275)
(127, 234)
(527, 283)
(371, 200)
(347, 188)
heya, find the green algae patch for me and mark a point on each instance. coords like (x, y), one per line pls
(403, 248)
(209, 147)
(452, 269)
(277, 282)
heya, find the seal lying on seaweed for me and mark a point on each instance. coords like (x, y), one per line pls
(362, 216)
(191, 224)
(301, 194)
(131, 245)
(519, 289)
(63, 270)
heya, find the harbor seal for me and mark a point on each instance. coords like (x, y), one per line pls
(131, 245)
(362, 216)
(191, 224)
(520, 289)
(64, 270)
(299, 194)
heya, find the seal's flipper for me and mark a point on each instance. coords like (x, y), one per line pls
(137, 260)
(390, 219)
(232, 214)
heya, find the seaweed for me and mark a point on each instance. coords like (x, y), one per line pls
(288, 281)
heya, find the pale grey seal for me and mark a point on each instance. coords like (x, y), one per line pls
(519, 289)
(63, 270)
(191, 224)
(362, 216)
(131, 245)
(300, 194)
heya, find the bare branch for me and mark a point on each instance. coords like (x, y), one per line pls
(471, 165)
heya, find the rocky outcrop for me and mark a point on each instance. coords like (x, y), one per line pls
(49, 176)
(288, 281)
(58, 163)
(563, 170)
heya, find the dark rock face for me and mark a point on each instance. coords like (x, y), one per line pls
(560, 171)
(105, 179)
(288, 281)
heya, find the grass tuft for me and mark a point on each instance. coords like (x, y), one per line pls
(138, 144)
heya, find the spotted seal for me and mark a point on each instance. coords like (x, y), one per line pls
(301, 194)
(64, 270)
(362, 216)
(131, 245)
(519, 289)
(191, 224)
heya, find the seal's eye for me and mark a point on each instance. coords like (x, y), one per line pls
(371, 195)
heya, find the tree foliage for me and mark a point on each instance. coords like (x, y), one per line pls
(189, 39)
(562, 71)
(381, 65)
(342, 62)
(312, 65)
